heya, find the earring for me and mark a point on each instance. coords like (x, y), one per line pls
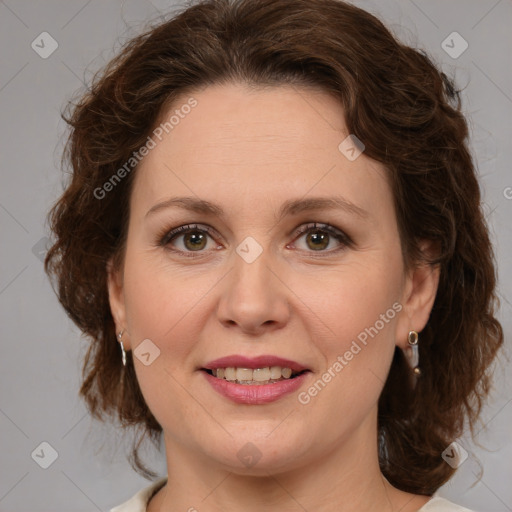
(123, 353)
(414, 357)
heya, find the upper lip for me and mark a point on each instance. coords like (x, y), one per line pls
(237, 361)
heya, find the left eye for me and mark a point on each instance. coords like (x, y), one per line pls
(319, 236)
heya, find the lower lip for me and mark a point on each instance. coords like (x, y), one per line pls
(255, 394)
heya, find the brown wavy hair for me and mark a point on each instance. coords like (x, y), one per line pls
(408, 114)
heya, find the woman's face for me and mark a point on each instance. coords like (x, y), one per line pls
(243, 282)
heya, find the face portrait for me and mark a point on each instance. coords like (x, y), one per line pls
(273, 239)
(252, 234)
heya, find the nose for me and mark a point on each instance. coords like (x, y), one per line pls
(254, 297)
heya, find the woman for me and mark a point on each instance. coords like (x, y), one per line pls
(273, 238)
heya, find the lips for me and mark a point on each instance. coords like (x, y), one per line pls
(258, 394)
(263, 361)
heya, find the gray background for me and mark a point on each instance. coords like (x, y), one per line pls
(41, 349)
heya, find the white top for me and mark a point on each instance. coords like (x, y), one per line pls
(139, 502)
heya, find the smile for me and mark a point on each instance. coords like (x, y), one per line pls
(256, 376)
(251, 392)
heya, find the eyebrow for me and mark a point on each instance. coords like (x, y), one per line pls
(290, 207)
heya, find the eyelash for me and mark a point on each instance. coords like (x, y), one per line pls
(167, 236)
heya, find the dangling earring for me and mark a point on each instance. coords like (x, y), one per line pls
(123, 353)
(414, 357)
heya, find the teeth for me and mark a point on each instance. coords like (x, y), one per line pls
(257, 376)
(275, 372)
(262, 374)
(286, 373)
(244, 374)
(230, 373)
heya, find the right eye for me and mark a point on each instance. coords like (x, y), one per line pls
(192, 238)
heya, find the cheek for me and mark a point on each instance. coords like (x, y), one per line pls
(162, 304)
(353, 314)
(346, 303)
(170, 307)
(355, 337)
(342, 312)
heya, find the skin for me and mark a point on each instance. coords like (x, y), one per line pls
(249, 150)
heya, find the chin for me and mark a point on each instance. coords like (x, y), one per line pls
(258, 455)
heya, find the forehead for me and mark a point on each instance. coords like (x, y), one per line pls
(239, 142)
(275, 119)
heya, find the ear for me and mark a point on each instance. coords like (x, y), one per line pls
(116, 299)
(419, 293)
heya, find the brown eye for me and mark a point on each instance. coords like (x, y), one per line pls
(318, 238)
(189, 238)
(194, 240)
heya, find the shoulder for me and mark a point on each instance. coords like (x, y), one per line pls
(139, 502)
(438, 504)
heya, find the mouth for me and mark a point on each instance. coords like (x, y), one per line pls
(255, 386)
(255, 380)
(255, 376)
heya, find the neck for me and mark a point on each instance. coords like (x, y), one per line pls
(344, 479)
